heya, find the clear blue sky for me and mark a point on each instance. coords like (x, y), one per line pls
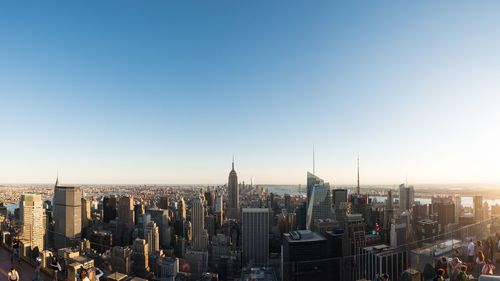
(168, 91)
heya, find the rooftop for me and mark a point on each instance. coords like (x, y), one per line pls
(303, 236)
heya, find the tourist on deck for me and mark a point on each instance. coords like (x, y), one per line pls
(471, 251)
(13, 275)
(479, 263)
(439, 275)
(462, 275)
(454, 268)
(488, 268)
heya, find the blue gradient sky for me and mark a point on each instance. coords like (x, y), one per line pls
(168, 91)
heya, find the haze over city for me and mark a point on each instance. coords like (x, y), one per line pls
(168, 92)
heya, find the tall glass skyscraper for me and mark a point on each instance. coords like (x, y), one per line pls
(319, 200)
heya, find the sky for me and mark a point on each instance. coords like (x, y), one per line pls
(168, 91)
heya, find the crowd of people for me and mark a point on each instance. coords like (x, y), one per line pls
(475, 264)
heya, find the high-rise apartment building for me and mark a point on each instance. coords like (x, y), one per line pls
(255, 236)
(67, 215)
(31, 214)
(233, 194)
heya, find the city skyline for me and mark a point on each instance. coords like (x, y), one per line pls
(166, 93)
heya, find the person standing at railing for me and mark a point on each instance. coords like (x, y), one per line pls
(479, 263)
(471, 251)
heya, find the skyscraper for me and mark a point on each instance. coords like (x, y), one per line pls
(233, 194)
(125, 219)
(219, 210)
(31, 214)
(305, 256)
(255, 236)
(478, 208)
(86, 212)
(109, 208)
(406, 197)
(67, 215)
(164, 202)
(319, 200)
(153, 238)
(140, 257)
(200, 235)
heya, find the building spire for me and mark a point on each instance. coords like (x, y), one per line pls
(357, 189)
(57, 178)
(233, 163)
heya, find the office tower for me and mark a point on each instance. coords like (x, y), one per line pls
(312, 180)
(320, 200)
(86, 212)
(168, 267)
(478, 208)
(288, 201)
(458, 207)
(109, 208)
(140, 257)
(388, 216)
(142, 222)
(427, 229)
(121, 259)
(32, 218)
(138, 210)
(182, 210)
(209, 199)
(340, 268)
(384, 259)
(446, 215)
(126, 219)
(219, 210)
(399, 233)
(301, 215)
(406, 197)
(67, 215)
(210, 226)
(101, 240)
(198, 263)
(233, 195)
(160, 217)
(200, 235)
(339, 196)
(255, 236)
(355, 227)
(153, 238)
(305, 256)
(164, 202)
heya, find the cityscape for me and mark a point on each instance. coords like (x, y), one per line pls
(239, 231)
(254, 140)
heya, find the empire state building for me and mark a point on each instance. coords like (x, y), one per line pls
(233, 195)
